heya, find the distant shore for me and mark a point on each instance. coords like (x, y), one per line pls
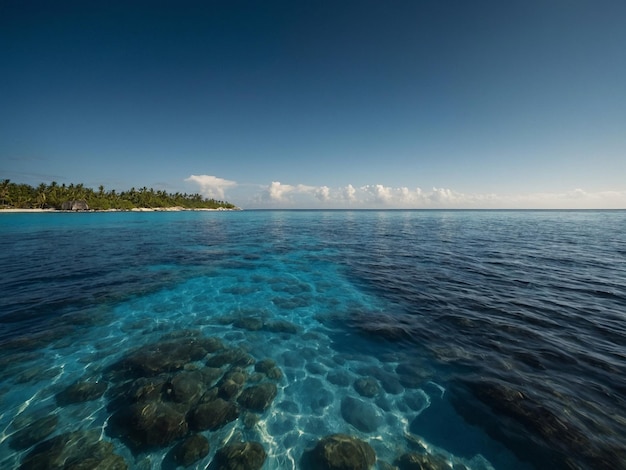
(135, 209)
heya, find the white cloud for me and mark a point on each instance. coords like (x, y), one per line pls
(382, 194)
(441, 195)
(349, 193)
(402, 197)
(277, 191)
(376, 193)
(303, 188)
(410, 197)
(211, 186)
(278, 194)
(323, 193)
(405, 194)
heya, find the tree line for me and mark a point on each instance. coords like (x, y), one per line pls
(53, 195)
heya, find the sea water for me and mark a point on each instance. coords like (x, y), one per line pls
(485, 339)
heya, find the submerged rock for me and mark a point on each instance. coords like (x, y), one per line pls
(211, 374)
(315, 368)
(249, 323)
(151, 424)
(338, 377)
(213, 415)
(147, 389)
(555, 435)
(249, 419)
(275, 374)
(363, 416)
(81, 391)
(269, 368)
(109, 462)
(419, 461)
(232, 383)
(281, 326)
(367, 387)
(340, 452)
(265, 365)
(187, 333)
(210, 395)
(34, 432)
(37, 374)
(212, 344)
(235, 357)
(412, 375)
(240, 456)
(187, 387)
(165, 356)
(74, 450)
(256, 377)
(292, 303)
(392, 386)
(191, 450)
(258, 397)
(388, 380)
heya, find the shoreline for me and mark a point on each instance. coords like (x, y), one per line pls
(135, 209)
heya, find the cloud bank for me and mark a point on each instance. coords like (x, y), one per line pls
(212, 186)
(378, 196)
(279, 194)
(375, 196)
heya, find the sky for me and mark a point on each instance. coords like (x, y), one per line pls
(321, 104)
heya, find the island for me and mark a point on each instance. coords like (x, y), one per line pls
(77, 197)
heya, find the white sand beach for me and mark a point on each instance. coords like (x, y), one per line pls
(135, 209)
(28, 210)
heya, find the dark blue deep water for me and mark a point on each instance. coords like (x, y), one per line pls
(473, 339)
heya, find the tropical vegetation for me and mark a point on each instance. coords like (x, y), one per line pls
(53, 195)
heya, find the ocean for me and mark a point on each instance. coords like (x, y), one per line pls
(436, 339)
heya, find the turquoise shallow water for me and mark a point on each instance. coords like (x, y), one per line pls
(488, 339)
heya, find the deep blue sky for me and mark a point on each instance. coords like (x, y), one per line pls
(329, 104)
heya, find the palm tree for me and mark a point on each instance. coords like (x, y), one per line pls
(4, 191)
(22, 195)
(80, 191)
(53, 196)
(41, 195)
